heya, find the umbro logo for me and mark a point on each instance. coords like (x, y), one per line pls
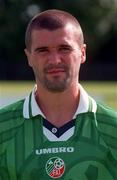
(54, 150)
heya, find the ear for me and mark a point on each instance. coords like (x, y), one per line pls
(28, 55)
(83, 55)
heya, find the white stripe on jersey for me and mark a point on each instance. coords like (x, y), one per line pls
(64, 137)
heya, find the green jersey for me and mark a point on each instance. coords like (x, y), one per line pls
(26, 153)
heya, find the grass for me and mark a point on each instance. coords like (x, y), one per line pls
(106, 92)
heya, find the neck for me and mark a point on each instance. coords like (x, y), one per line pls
(58, 108)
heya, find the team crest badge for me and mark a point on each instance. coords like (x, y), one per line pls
(55, 167)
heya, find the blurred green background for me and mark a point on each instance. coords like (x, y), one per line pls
(104, 92)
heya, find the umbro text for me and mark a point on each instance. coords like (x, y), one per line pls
(54, 150)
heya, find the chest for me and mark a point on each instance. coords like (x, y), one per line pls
(84, 156)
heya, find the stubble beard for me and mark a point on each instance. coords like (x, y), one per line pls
(55, 84)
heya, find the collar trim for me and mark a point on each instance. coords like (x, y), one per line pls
(31, 108)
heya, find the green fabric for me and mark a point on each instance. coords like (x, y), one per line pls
(26, 154)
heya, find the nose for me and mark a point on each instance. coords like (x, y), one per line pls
(54, 57)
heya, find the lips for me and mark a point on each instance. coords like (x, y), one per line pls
(55, 70)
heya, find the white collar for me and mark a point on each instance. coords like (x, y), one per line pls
(31, 108)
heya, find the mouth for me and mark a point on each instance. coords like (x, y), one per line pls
(56, 71)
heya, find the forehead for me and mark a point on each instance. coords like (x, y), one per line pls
(43, 37)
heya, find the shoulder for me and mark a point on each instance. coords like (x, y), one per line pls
(107, 125)
(11, 109)
(11, 115)
(106, 114)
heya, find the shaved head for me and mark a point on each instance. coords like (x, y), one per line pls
(52, 20)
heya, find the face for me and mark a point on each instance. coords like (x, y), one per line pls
(55, 57)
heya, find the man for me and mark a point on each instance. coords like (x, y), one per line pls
(58, 131)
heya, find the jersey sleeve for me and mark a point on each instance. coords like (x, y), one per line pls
(107, 127)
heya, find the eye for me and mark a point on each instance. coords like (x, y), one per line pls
(65, 49)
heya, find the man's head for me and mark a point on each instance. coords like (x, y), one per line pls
(52, 20)
(55, 50)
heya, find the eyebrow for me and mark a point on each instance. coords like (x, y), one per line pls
(46, 48)
(41, 48)
(65, 45)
